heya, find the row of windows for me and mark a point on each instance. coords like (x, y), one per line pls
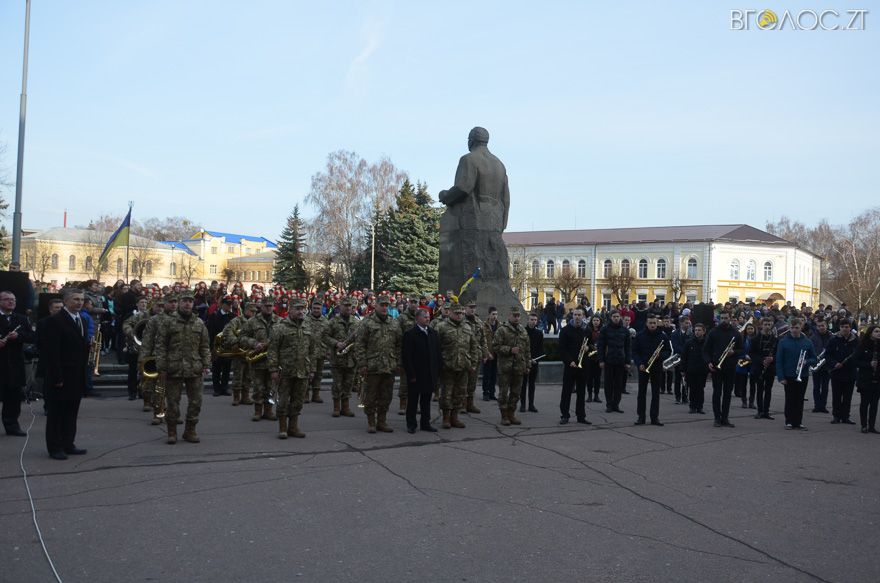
(751, 270)
(660, 268)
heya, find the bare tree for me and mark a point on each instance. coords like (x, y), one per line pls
(39, 259)
(167, 229)
(95, 241)
(678, 284)
(620, 285)
(228, 275)
(143, 260)
(567, 283)
(521, 277)
(187, 269)
(856, 260)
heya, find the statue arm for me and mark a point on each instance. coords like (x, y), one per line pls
(505, 201)
(465, 182)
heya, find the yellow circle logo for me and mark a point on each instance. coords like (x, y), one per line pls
(767, 20)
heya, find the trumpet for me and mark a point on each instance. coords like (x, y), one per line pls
(727, 350)
(654, 357)
(819, 363)
(746, 323)
(95, 354)
(800, 365)
(585, 345)
(673, 360)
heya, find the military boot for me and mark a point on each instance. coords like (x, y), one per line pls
(172, 432)
(268, 413)
(148, 405)
(258, 412)
(189, 433)
(336, 406)
(447, 421)
(371, 423)
(511, 416)
(316, 396)
(504, 420)
(293, 428)
(282, 428)
(402, 410)
(155, 420)
(382, 424)
(246, 397)
(454, 420)
(236, 397)
(346, 410)
(471, 408)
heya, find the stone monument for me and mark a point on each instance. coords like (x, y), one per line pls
(471, 226)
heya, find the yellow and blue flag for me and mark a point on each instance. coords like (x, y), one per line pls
(119, 237)
(465, 285)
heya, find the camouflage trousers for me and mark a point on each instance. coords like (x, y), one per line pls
(315, 384)
(262, 384)
(148, 387)
(509, 386)
(291, 393)
(403, 387)
(454, 390)
(241, 374)
(343, 381)
(472, 382)
(379, 389)
(173, 390)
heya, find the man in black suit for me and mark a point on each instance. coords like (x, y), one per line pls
(421, 364)
(15, 330)
(65, 348)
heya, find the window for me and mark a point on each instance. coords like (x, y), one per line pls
(661, 269)
(212, 269)
(733, 299)
(172, 269)
(566, 267)
(230, 249)
(660, 298)
(54, 261)
(751, 269)
(515, 269)
(89, 264)
(642, 297)
(690, 297)
(750, 299)
(624, 298)
(119, 265)
(768, 271)
(606, 268)
(71, 262)
(134, 266)
(643, 269)
(148, 267)
(734, 269)
(624, 268)
(582, 268)
(551, 268)
(692, 268)
(533, 298)
(536, 269)
(213, 250)
(606, 301)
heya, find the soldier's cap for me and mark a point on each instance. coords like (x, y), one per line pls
(170, 298)
(186, 295)
(267, 301)
(345, 302)
(297, 303)
(250, 306)
(457, 308)
(383, 299)
(317, 302)
(472, 304)
(514, 310)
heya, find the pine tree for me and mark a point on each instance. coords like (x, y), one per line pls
(290, 267)
(415, 240)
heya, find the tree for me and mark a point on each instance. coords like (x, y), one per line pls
(143, 260)
(290, 267)
(620, 285)
(39, 259)
(678, 284)
(153, 228)
(413, 235)
(96, 240)
(4, 206)
(568, 283)
(188, 269)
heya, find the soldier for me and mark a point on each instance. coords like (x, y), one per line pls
(292, 350)
(511, 347)
(458, 347)
(148, 349)
(132, 349)
(147, 386)
(340, 335)
(490, 367)
(318, 324)
(407, 320)
(480, 356)
(255, 337)
(241, 370)
(441, 317)
(183, 357)
(378, 354)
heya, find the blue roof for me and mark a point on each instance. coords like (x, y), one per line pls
(236, 238)
(178, 245)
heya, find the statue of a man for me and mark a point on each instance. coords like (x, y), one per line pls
(476, 213)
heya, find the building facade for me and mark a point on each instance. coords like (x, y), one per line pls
(690, 263)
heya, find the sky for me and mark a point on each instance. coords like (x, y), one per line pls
(605, 114)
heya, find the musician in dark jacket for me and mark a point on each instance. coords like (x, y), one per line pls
(615, 356)
(762, 352)
(421, 361)
(696, 368)
(841, 364)
(820, 337)
(867, 357)
(718, 340)
(65, 348)
(15, 331)
(650, 343)
(571, 339)
(794, 355)
(536, 348)
(220, 366)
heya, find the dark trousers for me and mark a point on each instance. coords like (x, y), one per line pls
(868, 406)
(61, 424)
(552, 326)
(220, 374)
(841, 398)
(696, 382)
(490, 378)
(615, 381)
(670, 379)
(820, 389)
(594, 377)
(722, 388)
(11, 404)
(657, 380)
(418, 399)
(764, 390)
(794, 401)
(528, 386)
(681, 386)
(740, 385)
(573, 379)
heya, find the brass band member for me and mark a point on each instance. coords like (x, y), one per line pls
(536, 349)
(574, 341)
(318, 325)
(794, 355)
(292, 350)
(141, 312)
(378, 355)
(869, 377)
(650, 348)
(510, 345)
(255, 338)
(241, 369)
(840, 361)
(721, 350)
(339, 339)
(763, 355)
(148, 349)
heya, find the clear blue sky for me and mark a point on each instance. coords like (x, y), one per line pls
(606, 114)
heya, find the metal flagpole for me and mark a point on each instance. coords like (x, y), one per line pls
(19, 170)
(128, 240)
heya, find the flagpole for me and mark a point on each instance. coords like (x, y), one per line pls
(19, 168)
(128, 240)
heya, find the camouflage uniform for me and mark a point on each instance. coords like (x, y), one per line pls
(511, 367)
(481, 353)
(183, 353)
(318, 326)
(457, 347)
(255, 331)
(134, 351)
(241, 370)
(406, 320)
(292, 350)
(378, 351)
(343, 367)
(148, 349)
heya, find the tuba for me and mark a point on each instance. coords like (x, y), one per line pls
(252, 356)
(149, 369)
(138, 333)
(220, 353)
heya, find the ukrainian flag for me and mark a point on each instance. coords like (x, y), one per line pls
(119, 237)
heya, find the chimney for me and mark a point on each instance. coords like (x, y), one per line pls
(65, 218)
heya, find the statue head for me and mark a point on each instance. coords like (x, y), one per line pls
(478, 136)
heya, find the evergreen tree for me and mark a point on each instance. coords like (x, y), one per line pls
(290, 267)
(415, 240)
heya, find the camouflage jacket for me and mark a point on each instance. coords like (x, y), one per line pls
(151, 335)
(339, 330)
(407, 321)
(489, 335)
(128, 328)
(292, 348)
(232, 332)
(318, 326)
(257, 330)
(479, 330)
(457, 345)
(506, 337)
(182, 347)
(378, 344)
(436, 322)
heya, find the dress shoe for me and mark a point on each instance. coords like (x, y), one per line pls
(410, 429)
(563, 421)
(58, 455)
(717, 423)
(768, 416)
(639, 421)
(596, 399)
(758, 415)
(864, 430)
(835, 421)
(76, 451)
(847, 421)
(618, 410)
(726, 423)
(609, 409)
(802, 427)
(15, 431)
(583, 421)
(532, 409)
(656, 422)
(429, 428)
(872, 430)
(789, 426)
(522, 408)
(701, 412)
(485, 397)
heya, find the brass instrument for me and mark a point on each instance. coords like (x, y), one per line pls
(726, 352)
(585, 345)
(800, 365)
(744, 362)
(220, 353)
(819, 363)
(149, 368)
(158, 393)
(746, 323)
(673, 361)
(252, 356)
(137, 334)
(654, 357)
(95, 352)
(345, 350)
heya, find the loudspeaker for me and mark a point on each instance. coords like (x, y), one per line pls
(19, 283)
